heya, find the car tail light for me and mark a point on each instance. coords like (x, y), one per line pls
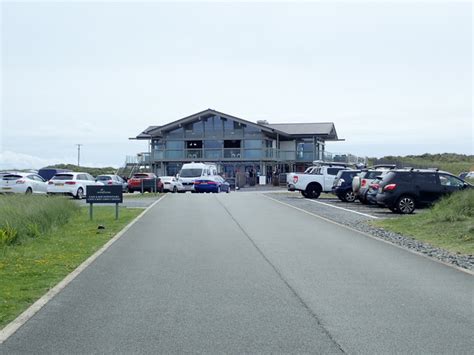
(110, 183)
(20, 181)
(70, 183)
(212, 183)
(50, 182)
(390, 187)
(197, 182)
(363, 182)
(295, 179)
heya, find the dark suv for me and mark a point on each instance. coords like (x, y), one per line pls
(342, 186)
(403, 190)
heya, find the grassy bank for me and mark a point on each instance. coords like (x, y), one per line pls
(23, 217)
(451, 162)
(30, 268)
(449, 224)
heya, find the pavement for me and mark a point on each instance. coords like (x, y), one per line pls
(240, 273)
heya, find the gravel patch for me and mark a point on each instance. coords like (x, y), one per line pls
(361, 223)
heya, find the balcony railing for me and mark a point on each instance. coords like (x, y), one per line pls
(265, 154)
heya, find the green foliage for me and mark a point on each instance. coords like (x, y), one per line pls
(93, 171)
(28, 216)
(449, 224)
(451, 162)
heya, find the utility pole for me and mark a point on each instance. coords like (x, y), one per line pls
(79, 154)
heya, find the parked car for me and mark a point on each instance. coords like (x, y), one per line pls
(146, 182)
(342, 186)
(191, 172)
(73, 184)
(171, 184)
(361, 183)
(373, 190)
(22, 183)
(113, 180)
(48, 173)
(403, 190)
(212, 184)
(315, 180)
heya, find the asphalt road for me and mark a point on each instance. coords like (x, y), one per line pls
(239, 273)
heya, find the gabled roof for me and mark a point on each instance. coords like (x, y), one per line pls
(288, 130)
(305, 129)
(200, 115)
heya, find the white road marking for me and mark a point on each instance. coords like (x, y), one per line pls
(345, 209)
(14, 325)
(470, 272)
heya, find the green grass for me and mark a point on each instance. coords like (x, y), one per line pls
(29, 269)
(449, 224)
(23, 217)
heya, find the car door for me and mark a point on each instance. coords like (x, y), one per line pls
(40, 184)
(450, 184)
(428, 187)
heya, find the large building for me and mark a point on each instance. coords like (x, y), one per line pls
(235, 145)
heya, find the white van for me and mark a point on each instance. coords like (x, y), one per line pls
(193, 171)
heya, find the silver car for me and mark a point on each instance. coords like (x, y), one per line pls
(361, 183)
(112, 180)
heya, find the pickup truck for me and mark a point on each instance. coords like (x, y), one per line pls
(316, 179)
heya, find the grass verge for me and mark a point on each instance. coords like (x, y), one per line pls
(449, 224)
(143, 195)
(28, 270)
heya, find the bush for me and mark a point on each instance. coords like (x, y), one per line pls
(31, 216)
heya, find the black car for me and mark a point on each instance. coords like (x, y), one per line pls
(342, 186)
(231, 182)
(405, 189)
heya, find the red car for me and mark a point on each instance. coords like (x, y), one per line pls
(145, 182)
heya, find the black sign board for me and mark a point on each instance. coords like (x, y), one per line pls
(104, 194)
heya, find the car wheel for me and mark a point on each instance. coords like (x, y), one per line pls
(79, 193)
(175, 189)
(313, 191)
(340, 197)
(393, 209)
(406, 205)
(218, 189)
(349, 196)
(363, 200)
(304, 194)
(28, 191)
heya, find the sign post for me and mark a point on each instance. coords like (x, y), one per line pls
(104, 194)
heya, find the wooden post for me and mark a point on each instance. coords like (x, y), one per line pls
(91, 211)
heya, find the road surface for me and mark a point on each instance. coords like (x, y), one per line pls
(240, 273)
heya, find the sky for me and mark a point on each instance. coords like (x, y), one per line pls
(395, 78)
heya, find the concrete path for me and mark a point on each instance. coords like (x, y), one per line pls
(239, 273)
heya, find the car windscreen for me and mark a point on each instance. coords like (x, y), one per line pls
(63, 177)
(140, 176)
(190, 173)
(12, 177)
(103, 178)
(166, 178)
(372, 174)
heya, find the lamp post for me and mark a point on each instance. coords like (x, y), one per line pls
(79, 154)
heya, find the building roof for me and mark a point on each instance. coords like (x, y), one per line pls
(289, 130)
(323, 128)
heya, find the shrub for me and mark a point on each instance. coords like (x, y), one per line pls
(31, 216)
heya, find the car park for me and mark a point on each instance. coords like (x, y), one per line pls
(191, 172)
(211, 184)
(362, 182)
(145, 182)
(22, 183)
(171, 184)
(342, 186)
(73, 184)
(113, 180)
(403, 190)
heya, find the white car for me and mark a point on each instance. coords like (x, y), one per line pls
(190, 172)
(74, 184)
(22, 183)
(171, 184)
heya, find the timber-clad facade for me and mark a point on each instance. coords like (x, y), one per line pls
(234, 144)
